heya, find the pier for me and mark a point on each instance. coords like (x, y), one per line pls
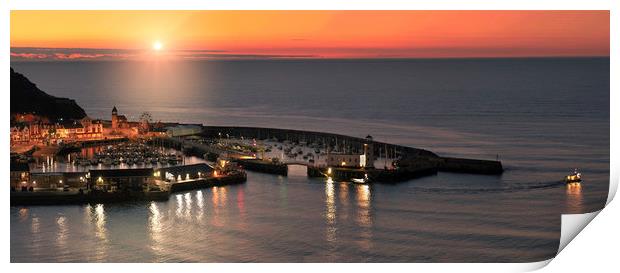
(194, 184)
(413, 162)
(123, 185)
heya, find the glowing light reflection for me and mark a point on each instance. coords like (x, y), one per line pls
(63, 231)
(200, 202)
(330, 202)
(574, 197)
(155, 228)
(364, 217)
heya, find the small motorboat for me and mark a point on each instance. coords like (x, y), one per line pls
(573, 178)
(360, 180)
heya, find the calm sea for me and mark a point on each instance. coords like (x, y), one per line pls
(541, 117)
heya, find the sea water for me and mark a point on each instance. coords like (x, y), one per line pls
(542, 117)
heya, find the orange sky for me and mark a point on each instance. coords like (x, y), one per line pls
(363, 34)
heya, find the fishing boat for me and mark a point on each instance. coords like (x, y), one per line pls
(573, 178)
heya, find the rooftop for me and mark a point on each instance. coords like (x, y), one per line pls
(121, 172)
(19, 166)
(193, 168)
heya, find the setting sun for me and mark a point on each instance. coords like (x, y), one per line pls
(320, 34)
(157, 46)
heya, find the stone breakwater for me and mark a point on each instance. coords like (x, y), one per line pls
(412, 159)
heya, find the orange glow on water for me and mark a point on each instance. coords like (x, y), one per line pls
(321, 34)
(574, 197)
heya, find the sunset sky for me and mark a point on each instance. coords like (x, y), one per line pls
(55, 35)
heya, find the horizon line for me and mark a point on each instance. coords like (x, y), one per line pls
(50, 54)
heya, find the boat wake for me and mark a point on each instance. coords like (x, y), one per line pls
(513, 188)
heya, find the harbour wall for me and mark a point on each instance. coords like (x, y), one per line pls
(208, 182)
(374, 175)
(342, 141)
(262, 166)
(423, 159)
(465, 165)
(74, 198)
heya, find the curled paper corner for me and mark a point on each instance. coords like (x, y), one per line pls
(613, 186)
(572, 224)
(529, 267)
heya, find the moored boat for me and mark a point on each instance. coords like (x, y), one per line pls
(360, 180)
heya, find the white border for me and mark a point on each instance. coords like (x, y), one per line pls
(570, 260)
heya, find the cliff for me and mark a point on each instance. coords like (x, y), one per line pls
(26, 97)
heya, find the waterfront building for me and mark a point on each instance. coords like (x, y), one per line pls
(58, 180)
(183, 172)
(344, 160)
(353, 160)
(120, 179)
(93, 129)
(40, 132)
(121, 126)
(118, 121)
(20, 133)
(183, 130)
(20, 174)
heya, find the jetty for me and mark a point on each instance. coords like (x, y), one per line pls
(123, 185)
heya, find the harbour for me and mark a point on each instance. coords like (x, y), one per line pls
(122, 156)
(448, 216)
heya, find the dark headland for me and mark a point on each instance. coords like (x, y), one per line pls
(27, 98)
